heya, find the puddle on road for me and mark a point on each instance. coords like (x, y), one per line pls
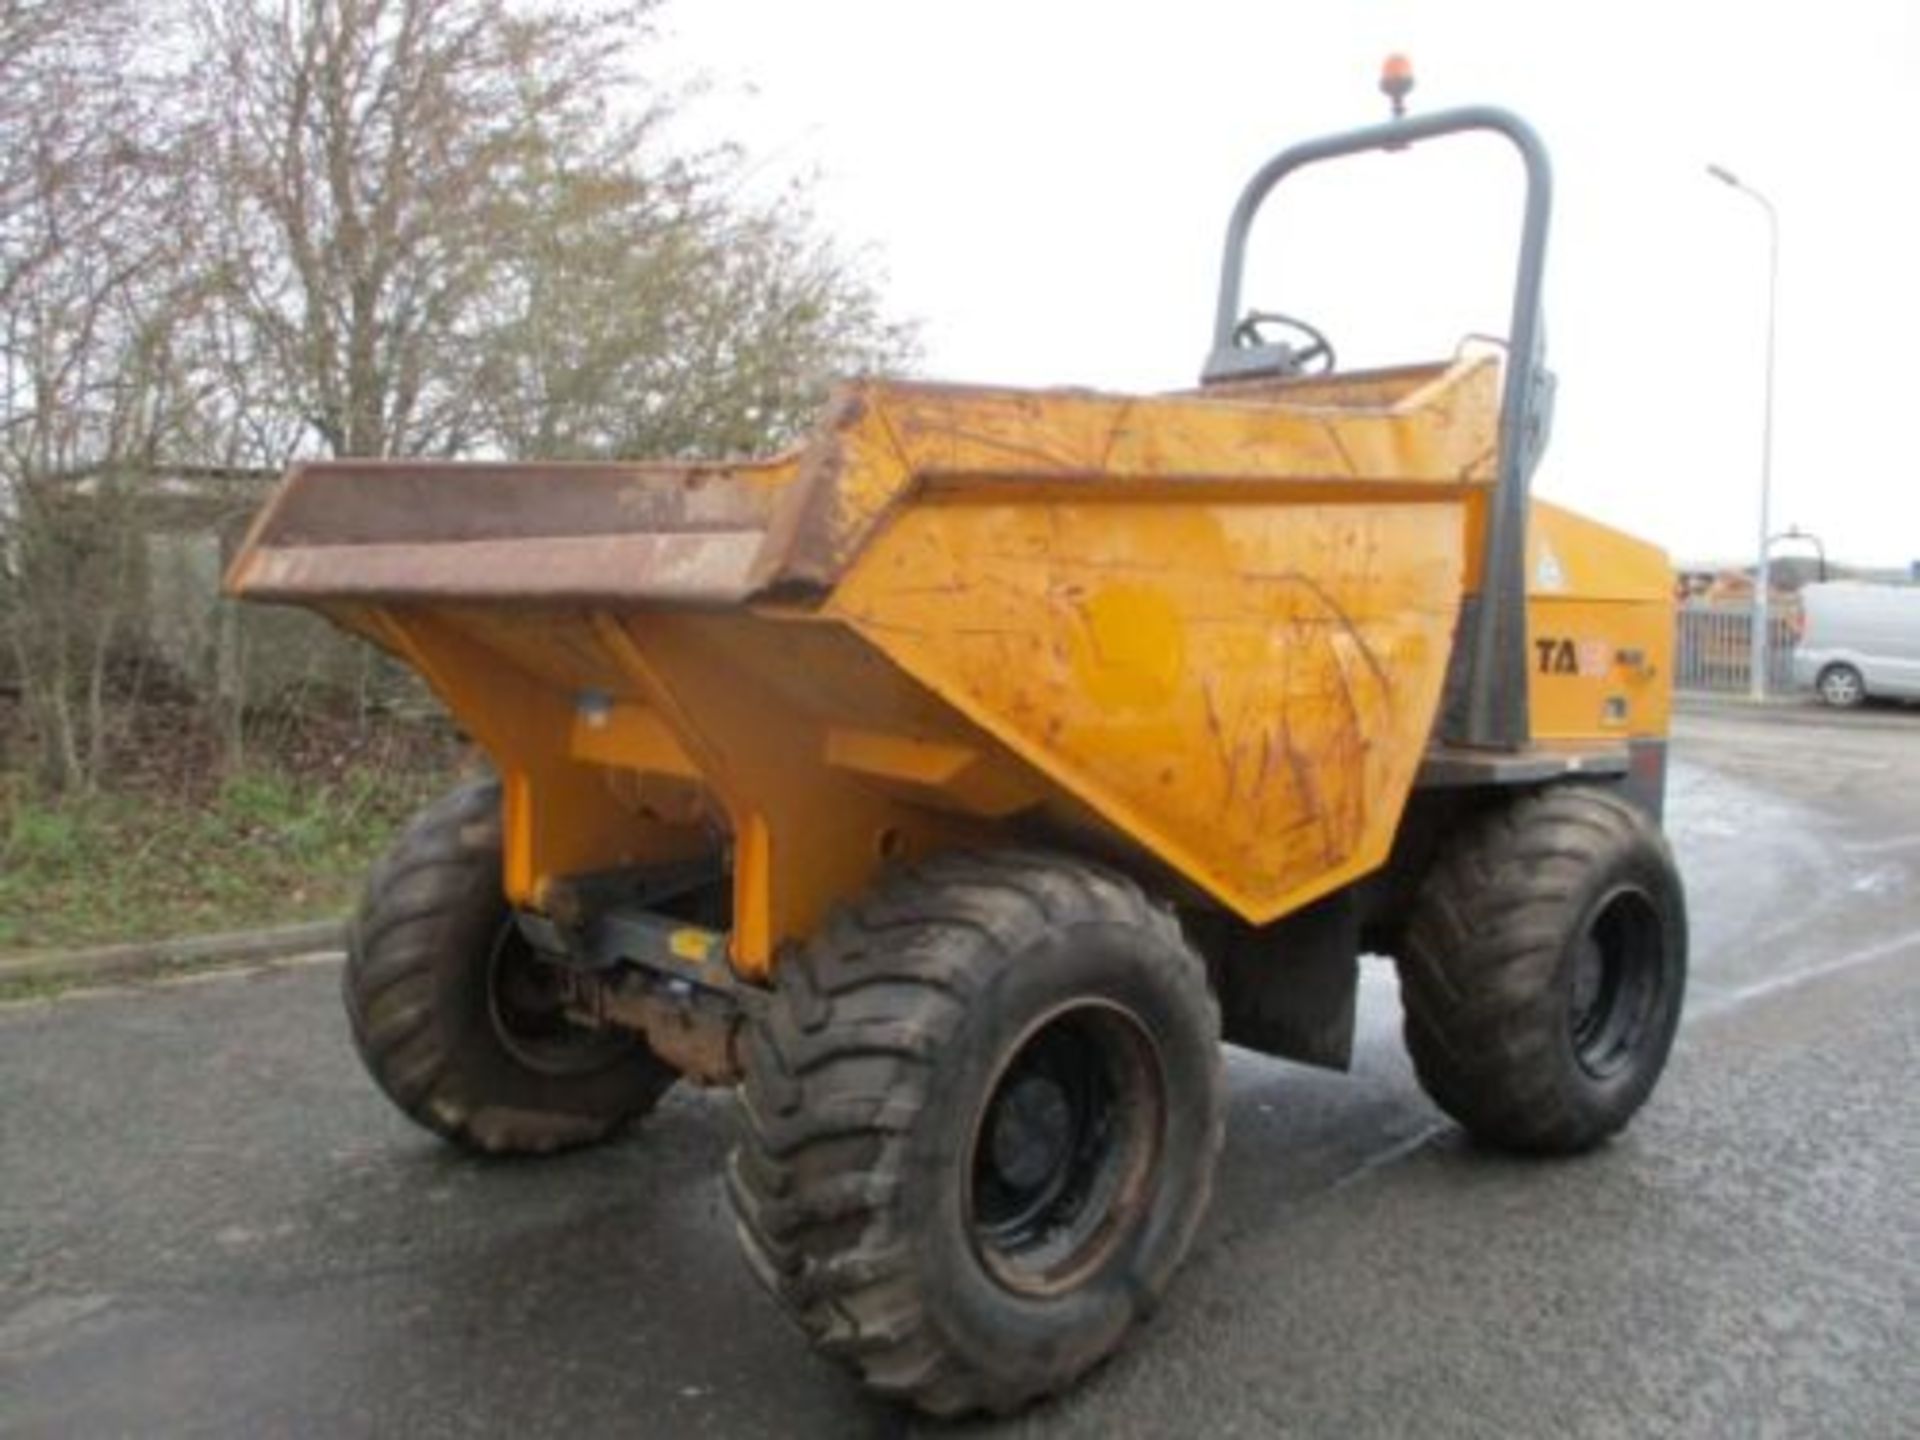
(1768, 886)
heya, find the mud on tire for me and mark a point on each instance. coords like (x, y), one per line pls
(979, 1126)
(1542, 969)
(455, 1020)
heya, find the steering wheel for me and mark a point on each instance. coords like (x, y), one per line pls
(1250, 334)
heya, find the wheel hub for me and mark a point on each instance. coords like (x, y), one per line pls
(1589, 979)
(1032, 1132)
(1615, 984)
(1064, 1147)
(526, 1004)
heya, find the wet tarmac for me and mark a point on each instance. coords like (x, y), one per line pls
(211, 1225)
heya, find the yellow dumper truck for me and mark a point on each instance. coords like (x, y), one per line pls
(955, 784)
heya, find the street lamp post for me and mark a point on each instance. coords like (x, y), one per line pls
(1762, 579)
(1794, 532)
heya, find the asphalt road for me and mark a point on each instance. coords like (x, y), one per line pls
(211, 1225)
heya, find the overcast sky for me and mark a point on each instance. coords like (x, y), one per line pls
(1045, 185)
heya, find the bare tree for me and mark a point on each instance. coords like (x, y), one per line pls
(458, 225)
(366, 143)
(644, 312)
(93, 285)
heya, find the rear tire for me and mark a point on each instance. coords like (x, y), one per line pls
(979, 1127)
(1542, 970)
(453, 1016)
(1842, 687)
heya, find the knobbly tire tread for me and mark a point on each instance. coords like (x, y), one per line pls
(1481, 964)
(841, 1064)
(416, 948)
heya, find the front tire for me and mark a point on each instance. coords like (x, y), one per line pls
(979, 1127)
(1542, 970)
(456, 1020)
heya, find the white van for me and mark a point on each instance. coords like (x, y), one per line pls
(1859, 640)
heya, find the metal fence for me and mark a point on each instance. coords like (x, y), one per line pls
(1713, 651)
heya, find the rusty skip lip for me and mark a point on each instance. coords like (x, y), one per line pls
(689, 567)
(376, 531)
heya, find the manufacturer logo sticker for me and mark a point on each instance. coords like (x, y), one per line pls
(1547, 574)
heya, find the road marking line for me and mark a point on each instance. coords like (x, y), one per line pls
(1390, 1154)
(1721, 1002)
(1878, 847)
(1794, 979)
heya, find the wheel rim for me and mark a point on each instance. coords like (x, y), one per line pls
(1618, 975)
(1065, 1147)
(1841, 687)
(526, 1004)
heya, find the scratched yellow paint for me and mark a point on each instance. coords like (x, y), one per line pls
(1128, 651)
(1244, 690)
(1431, 426)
